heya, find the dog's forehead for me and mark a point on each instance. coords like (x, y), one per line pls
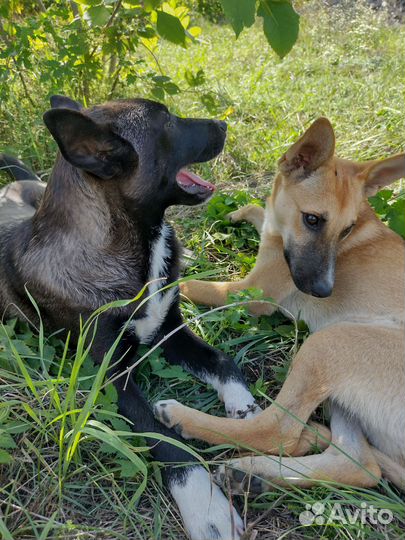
(130, 112)
(133, 119)
(331, 190)
(139, 105)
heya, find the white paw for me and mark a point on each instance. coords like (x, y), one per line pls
(164, 412)
(239, 402)
(207, 514)
(241, 412)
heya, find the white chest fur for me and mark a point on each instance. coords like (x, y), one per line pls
(159, 302)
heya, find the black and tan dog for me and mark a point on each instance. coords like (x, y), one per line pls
(96, 233)
(325, 258)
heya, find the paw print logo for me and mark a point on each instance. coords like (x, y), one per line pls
(312, 514)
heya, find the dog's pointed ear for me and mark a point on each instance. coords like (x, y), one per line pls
(64, 102)
(378, 174)
(312, 150)
(90, 146)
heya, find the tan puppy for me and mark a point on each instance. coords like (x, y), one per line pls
(324, 257)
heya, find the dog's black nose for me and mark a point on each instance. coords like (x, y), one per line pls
(322, 289)
(222, 125)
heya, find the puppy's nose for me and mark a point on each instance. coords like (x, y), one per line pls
(222, 125)
(322, 289)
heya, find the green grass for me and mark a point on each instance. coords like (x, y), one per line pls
(70, 469)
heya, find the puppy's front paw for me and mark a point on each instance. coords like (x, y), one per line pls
(169, 412)
(238, 482)
(235, 216)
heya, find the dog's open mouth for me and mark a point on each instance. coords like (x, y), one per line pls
(194, 184)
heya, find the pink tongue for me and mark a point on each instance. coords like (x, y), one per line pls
(188, 178)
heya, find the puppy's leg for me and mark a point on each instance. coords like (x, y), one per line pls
(212, 293)
(271, 275)
(342, 362)
(309, 383)
(215, 293)
(348, 460)
(313, 436)
(206, 512)
(209, 365)
(391, 470)
(252, 213)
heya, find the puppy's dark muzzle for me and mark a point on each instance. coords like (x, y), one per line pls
(316, 279)
(322, 289)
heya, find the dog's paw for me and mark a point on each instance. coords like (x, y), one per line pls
(234, 217)
(239, 482)
(241, 413)
(206, 512)
(239, 402)
(168, 411)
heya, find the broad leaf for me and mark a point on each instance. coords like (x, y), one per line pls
(240, 13)
(150, 4)
(99, 15)
(280, 24)
(5, 457)
(170, 28)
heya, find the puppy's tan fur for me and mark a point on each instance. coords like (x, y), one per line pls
(355, 356)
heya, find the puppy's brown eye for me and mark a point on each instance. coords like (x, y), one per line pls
(346, 231)
(312, 221)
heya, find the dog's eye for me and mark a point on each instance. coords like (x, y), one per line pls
(346, 231)
(312, 221)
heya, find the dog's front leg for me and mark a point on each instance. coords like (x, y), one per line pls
(279, 427)
(252, 213)
(206, 512)
(209, 365)
(212, 293)
(270, 275)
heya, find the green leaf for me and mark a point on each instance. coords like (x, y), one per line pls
(173, 372)
(88, 2)
(6, 440)
(5, 457)
(5, 533)
(240, 13)
(280, 24)
(380, 201)
(158, 93)
(285, 330)
(396, 217)
(99, 15)
(128, 469)
(195, 80)
(170, 28)
(151, 4)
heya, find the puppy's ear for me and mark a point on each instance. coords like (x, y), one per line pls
(90, 146)
(378, 174)
(312, 150)
(64, 102)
